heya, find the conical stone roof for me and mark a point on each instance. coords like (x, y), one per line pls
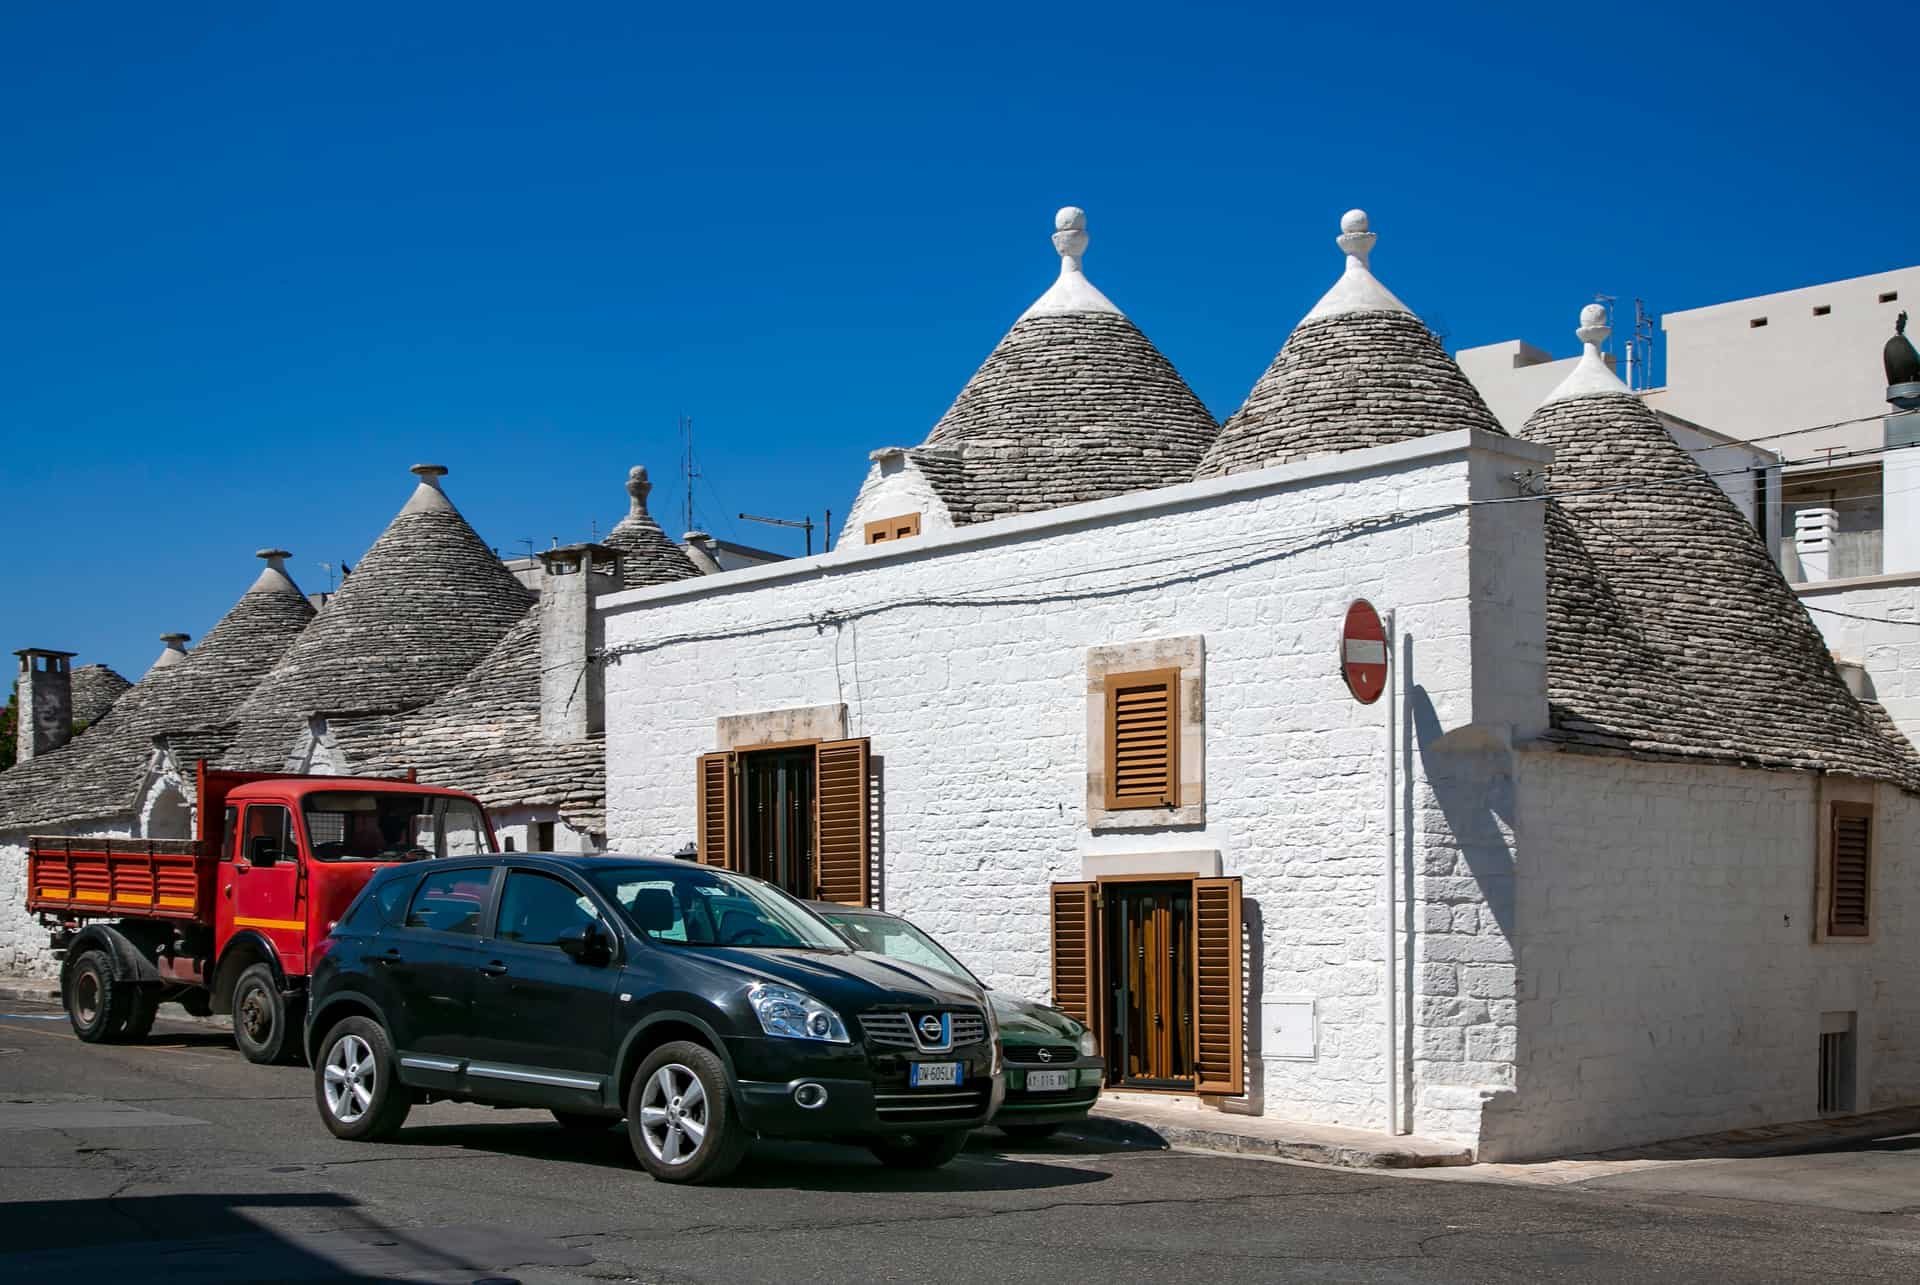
(95, 689)
(1670, 632)
(647, 556)
(1073, 404)
(98, 775)
(1360, 370)
(424, 605)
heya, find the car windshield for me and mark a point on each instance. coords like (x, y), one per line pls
(895, 938)
(379, 825)
(697, 906)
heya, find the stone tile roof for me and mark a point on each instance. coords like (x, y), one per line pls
(95, 689)
(424, 605)
(1359, 371)
(1074, 404)
(1670, 632)
(484, 734)
(98, 775)
(647, 556)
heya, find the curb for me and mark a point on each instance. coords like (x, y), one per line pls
(1201, 1138)
(27, 988)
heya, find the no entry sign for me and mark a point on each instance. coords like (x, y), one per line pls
(1363, 652)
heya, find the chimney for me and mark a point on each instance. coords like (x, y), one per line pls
(173, 653)
(45, 708)
(701, 553)
(1813, 532)
(573, 688)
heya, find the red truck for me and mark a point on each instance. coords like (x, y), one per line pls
(226, 922)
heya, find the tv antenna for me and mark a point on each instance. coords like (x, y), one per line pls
(687, 470)
(804, 525)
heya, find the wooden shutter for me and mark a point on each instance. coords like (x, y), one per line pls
(715, 812)
(840, 847)
(1850, 874)
(1218, 1006)
(1076, 963)
(893, 528)
(1143, 739)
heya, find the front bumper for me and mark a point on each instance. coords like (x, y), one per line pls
(867, 1093)
(1054, 1106)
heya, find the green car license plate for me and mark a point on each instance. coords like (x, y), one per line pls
(928, 1075)
(1049, 1081)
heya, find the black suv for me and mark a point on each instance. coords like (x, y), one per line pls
(704, 1007)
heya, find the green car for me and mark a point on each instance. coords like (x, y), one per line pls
(1053, 1064)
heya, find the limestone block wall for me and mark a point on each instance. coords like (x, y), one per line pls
(963, 656)
(23, 942)
(1669, 980)
(1875, 620)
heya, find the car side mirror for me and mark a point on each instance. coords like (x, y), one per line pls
(264, 851)
(586, 944)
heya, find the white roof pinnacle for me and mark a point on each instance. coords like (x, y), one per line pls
(428, 497)
(1072, 292)
(1591, 376)
(1357, 290)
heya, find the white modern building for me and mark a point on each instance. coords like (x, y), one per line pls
(1618, 857)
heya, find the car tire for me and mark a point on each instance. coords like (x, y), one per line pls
(581, 1122)
(141, 1010)
(684, 1084)
(263, 1021)
(1029, 1132)
(918, 1150)
(355, 1086)
(97, 1003)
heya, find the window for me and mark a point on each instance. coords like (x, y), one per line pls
(537, 909)
(543, 836)
(1853, 492)
(1143, 739)
(1889, 296)
(893, 528)
(798, 816)
(354, 825)
(377, 905)
(229, 832)
(1822, 309)
(1849, 874)
(692, 906)
(449, 901)
(269, 834)
(1837, 1063)
(897, 939)
(1756, 323)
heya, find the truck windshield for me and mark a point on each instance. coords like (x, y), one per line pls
(697, 906)
(368, 825)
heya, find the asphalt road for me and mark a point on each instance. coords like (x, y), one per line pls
(176, 1160)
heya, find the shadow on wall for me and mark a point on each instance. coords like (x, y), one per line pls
(1471, 782)
(1254, 922)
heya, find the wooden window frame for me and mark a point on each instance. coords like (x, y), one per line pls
(882, 530)
(1836, 810)
(1169, 797)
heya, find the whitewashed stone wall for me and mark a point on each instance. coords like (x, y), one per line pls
(23, 942)
(1888, 644)
(963, 657)
(1669, 982)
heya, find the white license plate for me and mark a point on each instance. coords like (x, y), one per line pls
(1049, 1081)
(927, 1075)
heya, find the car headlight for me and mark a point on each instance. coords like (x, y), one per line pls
(795, 1015)
(1088, 1045)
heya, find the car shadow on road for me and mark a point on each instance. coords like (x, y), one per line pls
(812, 1166)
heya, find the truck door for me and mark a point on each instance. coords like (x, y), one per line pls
(260, 889)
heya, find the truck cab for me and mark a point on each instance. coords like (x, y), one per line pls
(228, 922)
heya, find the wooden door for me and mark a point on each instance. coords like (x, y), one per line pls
(1148, 947)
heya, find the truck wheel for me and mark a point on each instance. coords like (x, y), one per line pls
(360, 1097)
(140, 1014)
(680, 1116)
(96, 1003)
(262, 1023)
(918, 1150)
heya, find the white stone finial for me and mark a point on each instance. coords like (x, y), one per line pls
(273, 557)
(1590, 376)
(1072, 292)
(428, 497)
(429, 474)
(1357, 290)
(638, 488)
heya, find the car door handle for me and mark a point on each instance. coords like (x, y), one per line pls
(493, 968)
(391, 957)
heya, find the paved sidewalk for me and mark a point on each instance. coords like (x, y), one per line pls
(17, 988)
(1150, 1124)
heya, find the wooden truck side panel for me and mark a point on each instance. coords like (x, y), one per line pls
(144, 878)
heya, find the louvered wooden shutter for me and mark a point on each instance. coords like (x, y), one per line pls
(714, 822)
(1076, 971)
(840, 849)
(1850, 877)
(1218, 1006)
(1143, 739)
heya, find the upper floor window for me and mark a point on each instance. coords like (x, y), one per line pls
(893, 528)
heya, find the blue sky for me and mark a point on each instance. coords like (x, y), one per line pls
(256, 260)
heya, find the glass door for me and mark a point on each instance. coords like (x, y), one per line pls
(1148, 951)
(776, 804)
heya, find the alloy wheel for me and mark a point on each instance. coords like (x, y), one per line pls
(673, 1114)
(349, 1079)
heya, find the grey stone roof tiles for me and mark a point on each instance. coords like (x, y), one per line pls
(95, 689)
(1670, 633)
(97, 775)
(1070, 406)
(424, 605)
(1345, 382)
(647, 556)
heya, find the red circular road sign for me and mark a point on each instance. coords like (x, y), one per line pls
(1363, 652)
